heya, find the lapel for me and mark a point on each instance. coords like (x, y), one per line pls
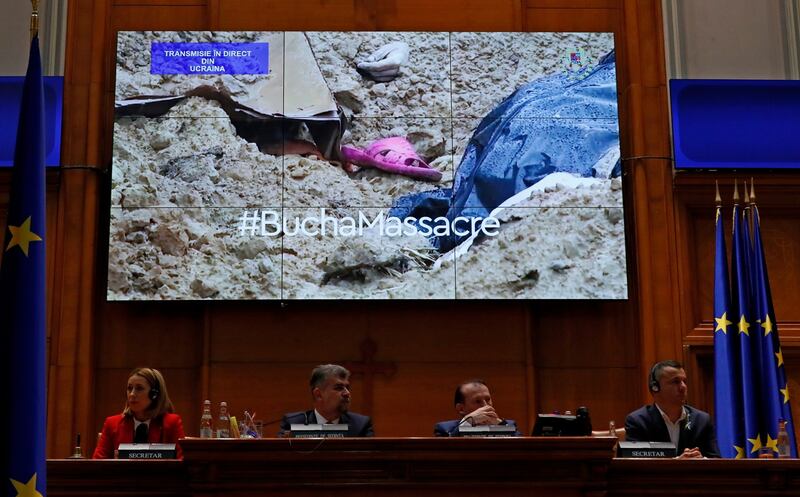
(686, 437)
(154, 431)
(657, 421)
(345, 419)
(125, 430)
(312, 418)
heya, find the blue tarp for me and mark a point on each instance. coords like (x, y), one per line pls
(559, 123)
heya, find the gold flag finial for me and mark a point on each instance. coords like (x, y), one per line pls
(718, 198)
(34, 19)
(746, 194)
(752, 191)
(735, 191)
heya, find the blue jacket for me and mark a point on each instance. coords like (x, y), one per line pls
(647, 425)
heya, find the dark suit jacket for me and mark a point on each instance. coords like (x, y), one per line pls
(118, 429)
(450, 428)
(647, 425)
(358, 424)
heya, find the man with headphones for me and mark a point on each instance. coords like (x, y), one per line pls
(330, 393)
(473, 404)
(669, 418)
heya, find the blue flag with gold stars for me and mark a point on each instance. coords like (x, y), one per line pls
(742, 303)
(751, 391)
(727, 392)
(774, 387)
(22, 301)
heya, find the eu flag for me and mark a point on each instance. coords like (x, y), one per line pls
(22, 301)
(727, 394)
(751, 391)
(742, 301)
(774, 387)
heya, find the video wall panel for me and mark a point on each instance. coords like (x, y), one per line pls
(366, 165)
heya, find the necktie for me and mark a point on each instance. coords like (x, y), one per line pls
(141, 434)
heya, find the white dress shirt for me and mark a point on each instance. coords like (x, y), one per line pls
(674, 429)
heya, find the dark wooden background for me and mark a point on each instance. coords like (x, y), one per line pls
(536, 356)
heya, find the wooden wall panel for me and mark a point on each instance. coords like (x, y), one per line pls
(597, 334)
(361, 15)
(609, 393)
(574, 4)
(138, 334)
(779, 208)
(586, 354)
(567, 19)
(315, 15)
(158, 3)
(128, 17)
(303, 330)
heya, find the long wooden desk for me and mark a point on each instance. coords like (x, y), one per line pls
(568, 466)
(712, 477)
(116, 478)
(418, 467)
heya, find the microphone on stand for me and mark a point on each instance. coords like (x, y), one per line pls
(77, 453)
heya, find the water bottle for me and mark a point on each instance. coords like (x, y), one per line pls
(784, 449)
(223, 421)
(205, 421)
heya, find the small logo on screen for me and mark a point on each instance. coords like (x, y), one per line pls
(576, 63)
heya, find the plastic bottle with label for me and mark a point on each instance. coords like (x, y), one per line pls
(784, 448)
(223, 421)
(206, 420)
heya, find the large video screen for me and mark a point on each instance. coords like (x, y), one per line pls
(366, 165)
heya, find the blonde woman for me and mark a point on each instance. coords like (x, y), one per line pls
(148, 416)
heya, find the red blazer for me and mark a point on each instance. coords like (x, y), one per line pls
(118, 429)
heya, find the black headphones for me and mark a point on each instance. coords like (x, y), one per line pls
(652, 381)
(154, 391)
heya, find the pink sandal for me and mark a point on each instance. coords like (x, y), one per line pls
(394, 155)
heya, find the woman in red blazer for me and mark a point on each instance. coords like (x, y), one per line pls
(148, 404)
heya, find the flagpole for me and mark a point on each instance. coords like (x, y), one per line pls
(727, 389)
(35, 19)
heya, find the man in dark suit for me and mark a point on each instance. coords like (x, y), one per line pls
(473, 403)
(669, 419)
(330, 391)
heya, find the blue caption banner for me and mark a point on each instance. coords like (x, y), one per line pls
(209, 58)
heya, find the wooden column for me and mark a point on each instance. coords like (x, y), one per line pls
(75, 237)
(645, 121)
